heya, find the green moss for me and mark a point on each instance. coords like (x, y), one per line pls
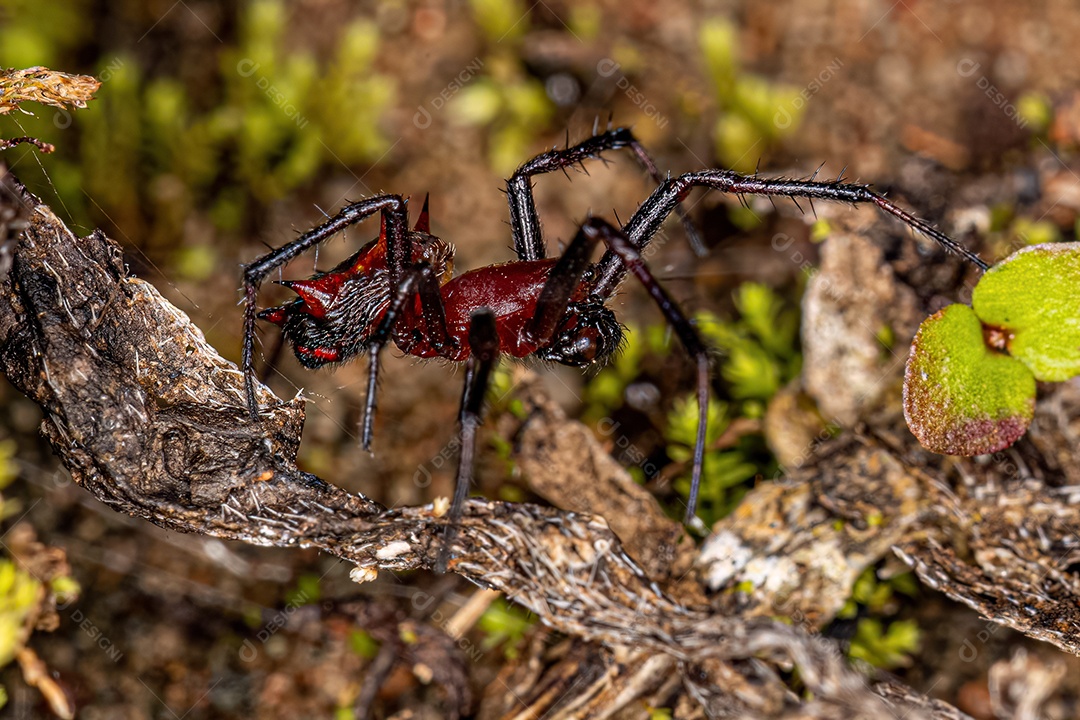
(64, 588)
(41, 33)
(1035, 232)
(505, 624)
(879, 639)
(506, 99)
(757, 354)
(501, 20)
(1036, 110)
(196, 262)
(759, 349)
(19, 595)
(724, 473)
(755, 113)
(9, 469)
(604, 393)
(820, 230)
(885, 646)
(308, 590)
(273, 119)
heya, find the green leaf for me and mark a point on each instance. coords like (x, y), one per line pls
(961, 397)
(883, 648)
(1034, 296)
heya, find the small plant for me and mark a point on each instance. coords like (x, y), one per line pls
(758, 355)
(759, 349)
(880, 640)
(26, 600)
(506, 99)
(506, 625)
(724, 474)
(885, 646)
(969, 387)
(750, 105)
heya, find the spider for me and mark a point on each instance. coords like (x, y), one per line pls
(400, 287)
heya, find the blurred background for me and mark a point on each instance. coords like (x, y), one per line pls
(221, 128)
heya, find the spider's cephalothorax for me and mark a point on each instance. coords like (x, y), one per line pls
(399, 289)
(338, 310)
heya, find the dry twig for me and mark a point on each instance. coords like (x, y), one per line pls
(151, 421)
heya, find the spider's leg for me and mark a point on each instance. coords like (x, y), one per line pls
(419, 279)
(652, 213)
(484, 354)
(394, 213)
(524, 221)
(563, 281)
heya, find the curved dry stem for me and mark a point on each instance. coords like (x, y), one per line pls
(153, 422)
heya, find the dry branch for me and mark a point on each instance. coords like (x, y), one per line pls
(45, 86)
(151, 421)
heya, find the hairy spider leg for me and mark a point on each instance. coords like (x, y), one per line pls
(419, 280)
(563, 281)
(524, 220)
(483, 355)
(651, 214)
(393, 209)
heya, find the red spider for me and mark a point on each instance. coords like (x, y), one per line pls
(400, 287)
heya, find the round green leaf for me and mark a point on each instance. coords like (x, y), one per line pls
(960, 396)
(1034, 296)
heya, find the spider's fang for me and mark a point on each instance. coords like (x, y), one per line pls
(275, 315)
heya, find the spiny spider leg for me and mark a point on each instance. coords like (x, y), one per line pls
(524, 220)
(652, 213)
(555, 297)
(484, 353)
(419, 279)
(393, 208)
(631, 259)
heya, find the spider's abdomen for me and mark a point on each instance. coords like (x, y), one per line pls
(588, 331)
(510, 290)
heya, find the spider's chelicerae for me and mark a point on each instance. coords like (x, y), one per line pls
(400, 287)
